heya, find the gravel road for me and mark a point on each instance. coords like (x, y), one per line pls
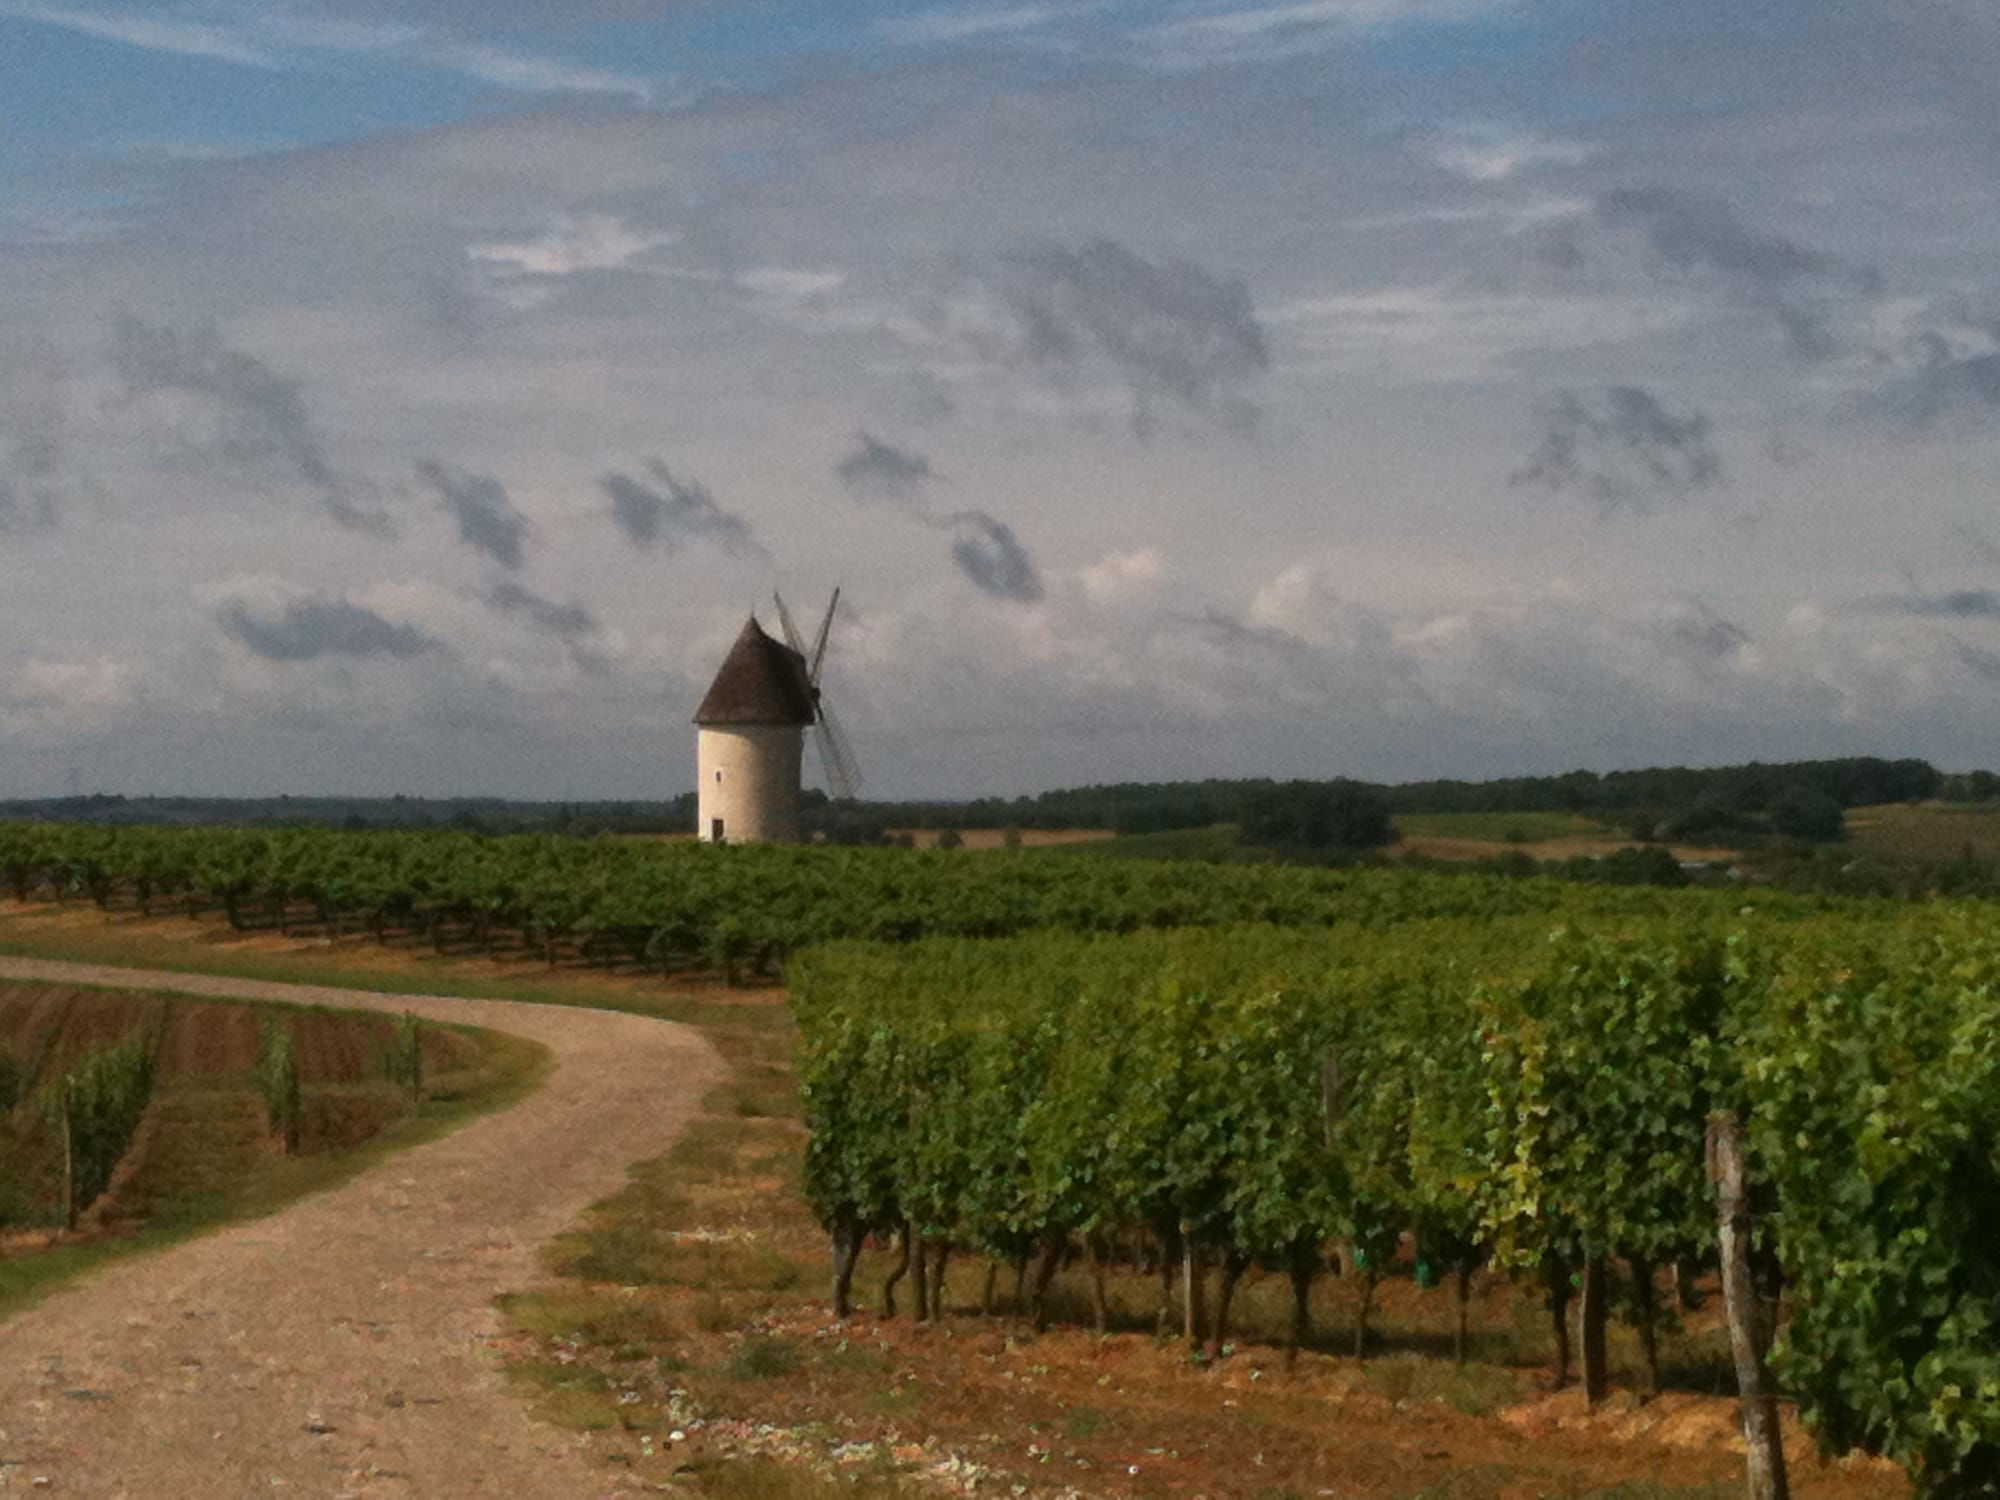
(343, 1346)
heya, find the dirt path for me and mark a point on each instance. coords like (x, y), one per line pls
(342, 1347)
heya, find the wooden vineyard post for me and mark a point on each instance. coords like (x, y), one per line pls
(1194, 1312)
(1764, 1464)
(65, 1122)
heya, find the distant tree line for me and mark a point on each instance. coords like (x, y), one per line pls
(358, 814)
(1673, 801)
(1721, 804)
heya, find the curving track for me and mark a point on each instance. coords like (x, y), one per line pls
(342, 1346)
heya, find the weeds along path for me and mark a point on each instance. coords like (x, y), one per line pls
(342, 1346)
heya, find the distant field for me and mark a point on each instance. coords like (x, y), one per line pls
(1500, 827)
(996, 838)
(1927, 830)
(1214, 842)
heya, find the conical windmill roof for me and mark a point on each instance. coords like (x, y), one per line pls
(762, 681)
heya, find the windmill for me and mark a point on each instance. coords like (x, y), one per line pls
(751, 746)
(836, 756)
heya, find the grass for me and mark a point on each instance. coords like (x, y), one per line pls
(1473, 1390)
(354, 964)
(761, 1357)
(206, 1180)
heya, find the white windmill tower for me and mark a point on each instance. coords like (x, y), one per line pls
(750, 748)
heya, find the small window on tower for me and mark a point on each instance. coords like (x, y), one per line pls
(718, 778)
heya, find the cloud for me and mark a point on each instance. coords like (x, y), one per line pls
(258, 36)
(549, 616)
(31, 469)
(966, 23)
(876, 470)
(486, 516)
(1947, 379)
(309, 627)
(1954, 604)
(527, 15)
(526, 273)
(985, 548)
(1168, 331)
(260, 415)
(573, 624)
(1692, 626)
(1451, 334)
(674, 512)
(1234, 33)
(988, 553)
(1694, 233)
(1494, 153)
(1123, 577)
(1626, 451)
(151, 33)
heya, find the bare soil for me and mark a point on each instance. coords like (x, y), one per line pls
(345, 1345)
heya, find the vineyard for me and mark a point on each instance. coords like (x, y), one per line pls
(735, 910)
(121, 1111)
(1220, 1104)
(1219, 1074)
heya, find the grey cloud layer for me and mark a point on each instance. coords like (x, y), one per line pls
(1695, 233)
(1623, 450)
(1944, 381)
(1170, 331)
(307, 629)
(988, 553)
(818, 257)
(549, 616)
(1955, 604)
(876, 470)
(262, 417)
(674, 512)
(986, 549)
(487, 518)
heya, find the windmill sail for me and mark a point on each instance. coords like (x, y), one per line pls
(843, 778)
(791, 630)
(819, 645)
(836, 756)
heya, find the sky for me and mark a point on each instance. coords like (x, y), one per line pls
(416, 397)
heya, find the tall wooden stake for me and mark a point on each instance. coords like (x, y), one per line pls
(1764, 1465)
(68, 1126)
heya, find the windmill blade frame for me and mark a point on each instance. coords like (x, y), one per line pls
(836, 755)
(785, 623)
(819, 642)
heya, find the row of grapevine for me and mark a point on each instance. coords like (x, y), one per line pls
(95, 1109)
(721, 908)
(1255, 1097)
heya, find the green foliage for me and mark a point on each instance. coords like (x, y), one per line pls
(740, 909)
(96, 1108)
(1876, 1075)
(1802, 812)
(1316, 815)
(10, 1081)
(404, 1064)
(1483, 1083)
(278, 1079)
